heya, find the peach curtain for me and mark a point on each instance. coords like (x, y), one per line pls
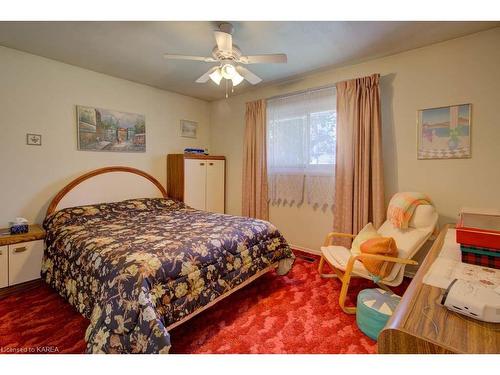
(359, 180)
(255, 200)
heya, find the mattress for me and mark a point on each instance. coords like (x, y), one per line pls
(137, 266)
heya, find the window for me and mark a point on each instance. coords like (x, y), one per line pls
(301, 134)
(323, 136)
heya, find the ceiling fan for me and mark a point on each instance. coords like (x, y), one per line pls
(229, 57)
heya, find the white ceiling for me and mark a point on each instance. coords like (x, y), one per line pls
(133, 50)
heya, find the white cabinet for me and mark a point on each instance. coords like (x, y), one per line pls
(195, 183)
(215, 186)
(197, 180)
(25, 260)
(21, 256)
(4, 266)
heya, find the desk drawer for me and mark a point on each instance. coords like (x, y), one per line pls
(25, 260)
(4, 267)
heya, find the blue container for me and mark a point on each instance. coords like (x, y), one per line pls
(374, 309)
(19, 228)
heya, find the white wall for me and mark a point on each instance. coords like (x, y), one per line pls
(464, 70)
(39, 95)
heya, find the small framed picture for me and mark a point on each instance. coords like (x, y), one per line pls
(34, 139)
(189, 129)
(444, 132)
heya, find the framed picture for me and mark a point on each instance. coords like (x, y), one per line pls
(108, 130)
(34, 139)
(444, 132)
(189, 129)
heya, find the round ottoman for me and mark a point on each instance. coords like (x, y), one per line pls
(374, 308)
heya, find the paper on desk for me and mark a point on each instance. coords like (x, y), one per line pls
(444, 270)
(450, 248)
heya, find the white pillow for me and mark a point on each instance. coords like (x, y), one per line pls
(364, 234)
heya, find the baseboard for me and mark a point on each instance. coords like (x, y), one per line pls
(305, 249)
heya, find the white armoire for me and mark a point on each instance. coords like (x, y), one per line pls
(197, 180)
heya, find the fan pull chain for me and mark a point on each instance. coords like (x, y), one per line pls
(226, 88)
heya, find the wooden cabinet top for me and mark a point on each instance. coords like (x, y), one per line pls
(421, 324)
(202, 156)
(35, 233)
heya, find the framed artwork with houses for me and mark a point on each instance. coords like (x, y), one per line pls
(109, 130)
(444, 132)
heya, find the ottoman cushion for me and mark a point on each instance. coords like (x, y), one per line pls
(374, 309)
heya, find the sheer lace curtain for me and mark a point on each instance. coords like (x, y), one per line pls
(301, 132)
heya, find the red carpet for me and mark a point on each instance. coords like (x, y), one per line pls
(297, 313)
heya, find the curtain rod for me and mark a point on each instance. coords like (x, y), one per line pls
(293, 93)
(306, 90)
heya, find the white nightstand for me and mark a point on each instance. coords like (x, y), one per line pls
(21, 257)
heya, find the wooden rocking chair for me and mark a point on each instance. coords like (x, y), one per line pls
(409, 241)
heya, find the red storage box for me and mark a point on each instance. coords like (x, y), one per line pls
(479, 228)
(478, 233)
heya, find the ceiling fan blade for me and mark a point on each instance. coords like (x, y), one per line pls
(248, 75)
(187, 57)
(224, 41)
(205, 77)
(276, 58)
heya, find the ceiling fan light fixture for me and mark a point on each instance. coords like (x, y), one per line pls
(230, 60)
(228, 71)
(216, 76)
(237, 79)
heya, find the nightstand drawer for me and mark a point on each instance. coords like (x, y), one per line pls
(25, 260)
(4, 267)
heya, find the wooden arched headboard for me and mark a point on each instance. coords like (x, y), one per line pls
(129, 184)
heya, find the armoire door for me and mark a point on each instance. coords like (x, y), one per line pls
(215, 186)
(195, 173)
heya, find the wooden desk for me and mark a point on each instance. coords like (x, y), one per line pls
(411, 328)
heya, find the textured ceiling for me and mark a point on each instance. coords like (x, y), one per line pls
(133, 50)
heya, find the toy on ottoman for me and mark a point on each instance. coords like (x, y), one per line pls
(375, 307)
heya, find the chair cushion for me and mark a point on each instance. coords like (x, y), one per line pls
(379, 246)
(338, 256)
(364, 234)
(408, 240)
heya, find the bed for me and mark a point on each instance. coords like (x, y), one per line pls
(140, 264)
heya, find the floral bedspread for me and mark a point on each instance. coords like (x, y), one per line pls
(135, 267)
